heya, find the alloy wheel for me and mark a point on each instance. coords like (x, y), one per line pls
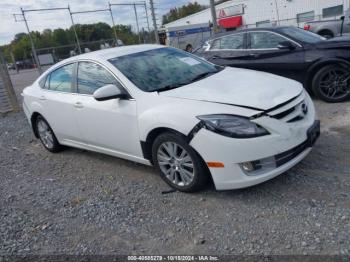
(176, 163)
(335, 83)
(45, 134)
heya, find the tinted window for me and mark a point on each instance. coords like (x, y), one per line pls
(229, 42)
(302, 35)
(265, 40)
(92, 76)
(61, 79)
(305, 17)
(163, 68)
(333, 11)
(265, 23)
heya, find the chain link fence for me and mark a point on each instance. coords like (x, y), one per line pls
(8, 100)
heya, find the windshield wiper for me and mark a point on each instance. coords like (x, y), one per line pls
(169, 87)
(201, 76)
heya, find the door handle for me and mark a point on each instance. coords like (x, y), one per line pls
(215, 57)
(42, 98)
(78, 105)
(254, 55)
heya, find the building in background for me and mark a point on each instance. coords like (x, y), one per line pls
(237, 14)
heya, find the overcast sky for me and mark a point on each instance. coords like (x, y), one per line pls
(60, 19)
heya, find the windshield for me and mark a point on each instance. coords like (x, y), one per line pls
(163, 68)
(302, 35)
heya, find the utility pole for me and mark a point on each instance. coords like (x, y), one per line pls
(277, 13)
(137, 23)
(149, 30)
(213, 15)
(32, 43)
(113, 24)
(154, 21)
(14, 60)
(136, 16)
(75, 32)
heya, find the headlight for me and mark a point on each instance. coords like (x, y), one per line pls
(232, 126)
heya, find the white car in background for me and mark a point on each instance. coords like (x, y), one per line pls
(161, 106)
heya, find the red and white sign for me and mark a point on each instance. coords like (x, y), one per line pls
(230, 11)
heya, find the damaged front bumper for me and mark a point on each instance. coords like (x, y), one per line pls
(248, 162)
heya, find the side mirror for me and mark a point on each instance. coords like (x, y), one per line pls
(109, 92)
(286, 45)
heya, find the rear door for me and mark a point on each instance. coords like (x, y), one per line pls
(265, 55)
(228, 50)
(57, 99)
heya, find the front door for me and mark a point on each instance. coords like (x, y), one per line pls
(265, 55)
(109, 125)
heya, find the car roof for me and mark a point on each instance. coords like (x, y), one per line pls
(104, 55)
(271, 28)
(109, 53)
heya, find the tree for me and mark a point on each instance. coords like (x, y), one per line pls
(125, 34)
(183, 11)
(19, 36)
(60, 42)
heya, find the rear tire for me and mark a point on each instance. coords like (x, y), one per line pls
(178, 163)
(46, 135)
(332, 83)
(326, 34)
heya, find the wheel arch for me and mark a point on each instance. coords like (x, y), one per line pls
(326, 31)
(154, 133)
(313, 69)
(150, 138)
(33, 118)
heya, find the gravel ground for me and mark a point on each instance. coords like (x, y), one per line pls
(79, 202)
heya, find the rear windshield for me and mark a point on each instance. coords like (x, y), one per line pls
(302, 35)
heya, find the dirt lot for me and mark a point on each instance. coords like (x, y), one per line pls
(79, 202)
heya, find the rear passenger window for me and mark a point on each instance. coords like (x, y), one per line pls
(231, 42)
(61, 79)
(92, 76)
(265, 40)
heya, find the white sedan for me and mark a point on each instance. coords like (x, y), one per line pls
(160, 106)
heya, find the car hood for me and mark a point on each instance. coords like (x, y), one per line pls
(337, 42)
(240, 87)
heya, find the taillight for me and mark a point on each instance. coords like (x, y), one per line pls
(307, 27)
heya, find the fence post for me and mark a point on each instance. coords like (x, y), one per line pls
(8, 99)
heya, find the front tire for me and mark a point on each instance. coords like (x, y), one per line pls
(47, 136)
(178, 163)
(332, 83)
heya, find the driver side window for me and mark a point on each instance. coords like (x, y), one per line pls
(92, 76)
(265, 40)
(232, 42)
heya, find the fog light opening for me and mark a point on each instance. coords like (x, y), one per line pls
(248, 166)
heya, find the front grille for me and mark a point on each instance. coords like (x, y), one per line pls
(290, 112)
(284, 114)
(286, 156)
